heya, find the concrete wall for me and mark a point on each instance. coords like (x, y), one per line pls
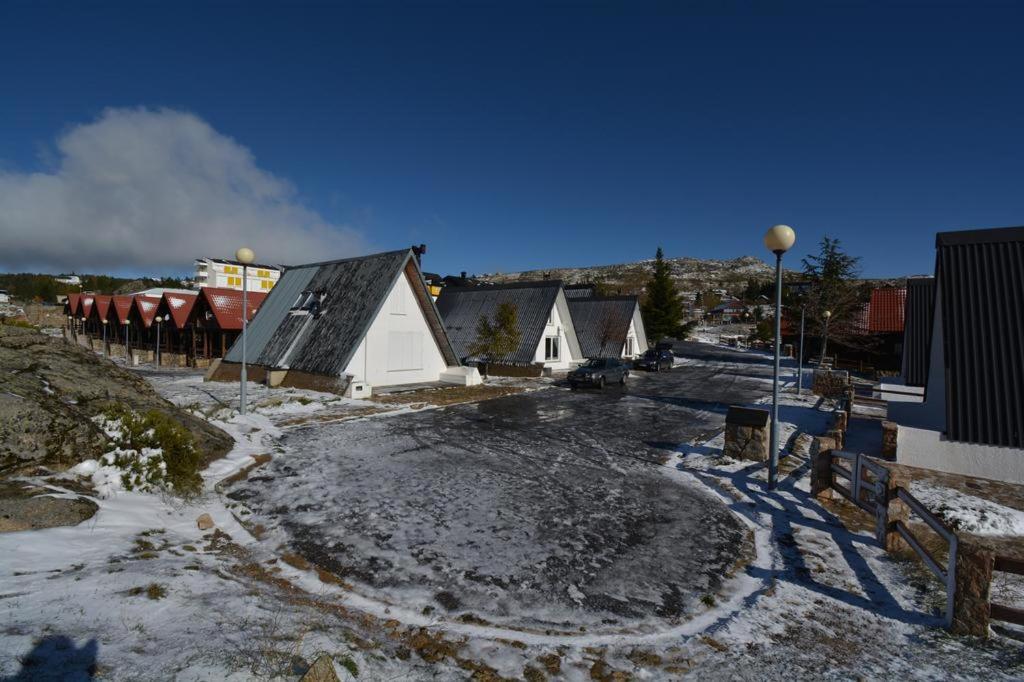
(929, 449)
(399, 347)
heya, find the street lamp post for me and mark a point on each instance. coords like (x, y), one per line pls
(105, 349)
(800, 361)
(158, 321)
(824, 344)
(779, 239)
(245, 256)
(127, 343)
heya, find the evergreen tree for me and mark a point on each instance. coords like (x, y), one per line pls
(498, 338)
(831, 276)
(662, 308)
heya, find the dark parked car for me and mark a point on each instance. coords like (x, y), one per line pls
(655, 360)
(598, 372)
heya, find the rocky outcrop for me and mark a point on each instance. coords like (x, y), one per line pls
(49, 392)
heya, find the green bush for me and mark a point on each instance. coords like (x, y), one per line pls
(134, 437)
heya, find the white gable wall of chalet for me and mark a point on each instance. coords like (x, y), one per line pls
(556, 328)
(399, 347)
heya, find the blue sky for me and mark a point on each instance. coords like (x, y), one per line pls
(516, 136)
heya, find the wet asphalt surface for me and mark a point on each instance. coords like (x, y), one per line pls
(550, 508)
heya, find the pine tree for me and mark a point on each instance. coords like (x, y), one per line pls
(662, 309)
(498, 338)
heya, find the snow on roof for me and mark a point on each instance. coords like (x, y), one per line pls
(226, 305)
(179, 307)
(146, 306)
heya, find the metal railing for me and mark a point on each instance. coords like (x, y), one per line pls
(947, 575)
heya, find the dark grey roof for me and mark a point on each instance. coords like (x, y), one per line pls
(602, 323)
(979, 277)
(461, 308)
(580, 290)
(355, 288)
(917, 329)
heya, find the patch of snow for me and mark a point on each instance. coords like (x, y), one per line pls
(967, 512)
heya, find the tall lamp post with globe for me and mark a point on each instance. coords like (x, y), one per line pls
(158, 321)
(779, 239)
(245, 256)
(824, 343)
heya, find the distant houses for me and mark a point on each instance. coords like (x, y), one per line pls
(194, 327)
(353, 324)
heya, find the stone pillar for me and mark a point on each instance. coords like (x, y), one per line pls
(890, 432)
(746, 434)
(821, 466)
(973, 579)
(897, 512)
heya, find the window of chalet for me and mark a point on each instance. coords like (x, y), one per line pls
(551, 348)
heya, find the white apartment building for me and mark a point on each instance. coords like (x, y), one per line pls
(227, 274)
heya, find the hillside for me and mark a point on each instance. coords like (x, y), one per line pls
(690, 274)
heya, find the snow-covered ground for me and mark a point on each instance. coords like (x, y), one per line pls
(139, 592)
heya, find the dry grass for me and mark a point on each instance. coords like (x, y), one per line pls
(329, 417)
(243, 473)
(452, 395)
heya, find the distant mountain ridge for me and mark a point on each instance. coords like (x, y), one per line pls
(690, 274)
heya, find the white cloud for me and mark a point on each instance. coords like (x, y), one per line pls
(141, 190)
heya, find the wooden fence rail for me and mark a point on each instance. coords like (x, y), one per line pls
(877, 503)
(1002, 612)
(947, 575)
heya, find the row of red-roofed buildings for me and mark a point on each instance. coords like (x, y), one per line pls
(192, 327)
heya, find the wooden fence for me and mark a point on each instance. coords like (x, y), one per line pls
(869, 488)
(867, 479)
(1002, 612)
(947, 575)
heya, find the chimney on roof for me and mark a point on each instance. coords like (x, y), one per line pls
(463, 274)
(418, 251)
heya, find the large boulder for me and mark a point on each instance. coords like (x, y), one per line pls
(49, 392)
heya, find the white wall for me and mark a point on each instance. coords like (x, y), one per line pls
(631, 335)
(399, 347)
(556, 327)
(929, 449)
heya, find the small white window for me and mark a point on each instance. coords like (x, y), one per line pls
(628, 351)
(309, 303)
(551, 348)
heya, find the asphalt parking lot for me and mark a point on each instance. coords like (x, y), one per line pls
(542, 509)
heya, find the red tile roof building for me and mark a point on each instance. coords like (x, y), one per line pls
(885, 313)
(178, 308)
(225, 306)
